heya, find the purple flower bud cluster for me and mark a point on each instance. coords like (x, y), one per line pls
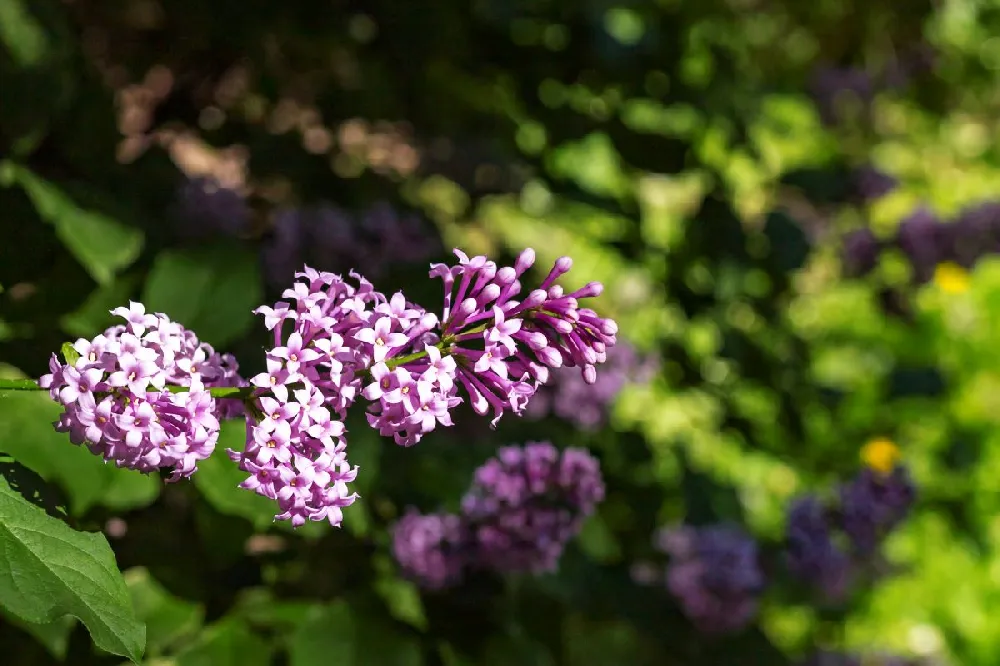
(432, 549)
(569, 397)
(873, 504)
(527, 503)
(331, 239)
(339, 341)
(116, 400)
(828, 545)
(203, 207)
(835, 88)
(871, 183)
(522, 509)
(927, 241)
(325, 237)
(715, 574)
(811, 553)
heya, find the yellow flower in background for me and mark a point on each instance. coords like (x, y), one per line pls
(881, 454)
(951, 278)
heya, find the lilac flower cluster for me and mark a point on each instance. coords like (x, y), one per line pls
(331, 239)
(203, 207)
(569, 397)
(715, 574)
(837, 89)
(339, 341)
(522, 509)
(927, 241)
(872, 183)
(811, 552)
(828, 545)
(873, 504)
(116, 400)
(325, 237)
(432, 549)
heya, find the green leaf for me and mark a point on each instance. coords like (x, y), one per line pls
(130, 490)
(227, 643)
(101, 244)
(26, 433)
(69, 353)
(403, 599)
(38, 76)
(352, 639)
(49, 570)
(53, 636)
(210, 289)
(218, 480)
(169, 620)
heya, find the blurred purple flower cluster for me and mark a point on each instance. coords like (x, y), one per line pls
(845, 94)
(827, 545)
(715, 573)
(116, 399)
(331, 239)
(339, 341)
(522, 509)
(928, 241)
(325, 237)
(872, 183)
(569, 397)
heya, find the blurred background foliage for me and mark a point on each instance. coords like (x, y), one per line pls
(703, 160)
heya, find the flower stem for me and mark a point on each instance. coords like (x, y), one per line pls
(446, 341)
(241, 392)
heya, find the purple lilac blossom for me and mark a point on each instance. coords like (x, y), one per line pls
(115, 399)
(873, 504)
(203, 207)
(811, 553)
(329, 238)
(834, 88)
(977, 232)
(527, 503)
(872, 183)
(569, 397)
(925, 240)
(432, 549)
(860, 252)
(340, 341)
(715, 574)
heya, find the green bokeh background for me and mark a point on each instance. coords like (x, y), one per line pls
(670, 148)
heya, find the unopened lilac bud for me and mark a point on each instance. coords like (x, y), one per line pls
(560, 268)
(534, 339)
(549, 357)
(489, 293)
(555, 291)
(505, 276)
(533, 300)
(524, 261)
(590, 374)
(589, 290)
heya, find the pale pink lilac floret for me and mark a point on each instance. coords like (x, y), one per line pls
(115, 400)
